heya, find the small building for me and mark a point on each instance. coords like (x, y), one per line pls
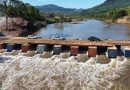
(26, 47)
(126, 51)
(112, 52)
(41, 48)
(57, 49)
(10, 47)
(74, 50)
(92, 51)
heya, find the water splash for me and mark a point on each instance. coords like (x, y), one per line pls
(36, 73)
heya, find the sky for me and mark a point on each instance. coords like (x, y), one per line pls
(67, 3)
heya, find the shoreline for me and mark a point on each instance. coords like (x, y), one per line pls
(18, 26)
(27, 29)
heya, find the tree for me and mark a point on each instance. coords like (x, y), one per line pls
(32, 12)
(6, 6)
(117, 13)
(61, 18)
(57, 19)
(16, 8)
(51, 15)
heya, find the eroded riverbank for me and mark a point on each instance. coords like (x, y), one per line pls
(19, 26)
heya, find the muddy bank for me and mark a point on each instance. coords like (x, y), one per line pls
(18, 26)
(124, 20)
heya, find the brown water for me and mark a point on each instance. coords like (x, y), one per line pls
(86, 29)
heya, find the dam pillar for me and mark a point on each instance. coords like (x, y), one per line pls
(1, 46)
(74, 50)
(126, 51)
(92, 51)
(57, 49)
(112, 52)
(41, 48)
(10, 47)
(26, 47)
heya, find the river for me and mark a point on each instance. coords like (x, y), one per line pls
(86, 29)
(22, 72)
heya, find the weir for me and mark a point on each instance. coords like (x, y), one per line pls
(74, 47)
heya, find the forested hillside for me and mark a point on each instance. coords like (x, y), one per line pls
(109, 7)
(51, 8)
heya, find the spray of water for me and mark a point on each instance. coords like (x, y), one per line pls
(35, 73)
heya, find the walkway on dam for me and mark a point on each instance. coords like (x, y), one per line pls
(23, 40)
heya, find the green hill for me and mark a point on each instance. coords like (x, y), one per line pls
(105, 7)
(51, 8)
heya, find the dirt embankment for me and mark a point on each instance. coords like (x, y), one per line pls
(18, 26)
(124, 20)
(14, 25)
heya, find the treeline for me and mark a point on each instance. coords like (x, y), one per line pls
(110, 9)
(111, 14)
(117, 13)
(16, 8)
(57, 18)
(51, 8)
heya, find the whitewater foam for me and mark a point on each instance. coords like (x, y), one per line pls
(35, 73)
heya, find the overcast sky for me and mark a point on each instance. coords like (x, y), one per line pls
(67, 3)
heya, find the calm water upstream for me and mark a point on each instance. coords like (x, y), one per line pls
(86, 29)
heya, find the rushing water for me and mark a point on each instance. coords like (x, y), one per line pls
(35, 73)
(86, 29)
